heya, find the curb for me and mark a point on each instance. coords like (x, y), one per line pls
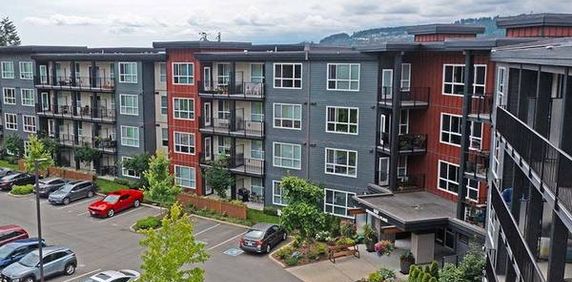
(271, 255)
(20, 196)
(219, 221)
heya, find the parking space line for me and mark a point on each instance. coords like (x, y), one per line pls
(228, 240)
(119, 215)
(77, 203)
(83, 275)
(83, 213)
(207, 229)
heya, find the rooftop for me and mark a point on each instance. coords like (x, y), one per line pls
(30, 49)
(203, 44)
(544, 19)
(445, 29)
(552, 52)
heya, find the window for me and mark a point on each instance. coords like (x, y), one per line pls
(404, 122)
(337, 202)
(501, 85)
(7, 70)
(184, 108)
(128, 172)
(165, 136)
(185, 176)
(448, 177)
(287, 155)
(256, 112)
(288, 116)
(43, 74)
(223, 74)
(496, 157)
(342, 120)
(164, 104)
(257, 150)
(343, 77)
(162, 72)
(129, 104)
(387, 83)
(288, 76)
(341, 162)
(257, 73)
(51, 128)
(405, 77)
(184, 143)
(10, 121)
(223, 147)
(29, 124)
(476, 138)
(450, 129)
(257, 187)
(453, 79)
(472, 190)
(128, 72)
(480, 78)
(278, 197)
(130, 136)
(223, 109)
(9, 96)
(26, 70)
(184, 73)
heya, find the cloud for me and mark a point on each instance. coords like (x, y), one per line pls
(58, 19)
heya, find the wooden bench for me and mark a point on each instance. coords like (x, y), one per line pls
(342, 251)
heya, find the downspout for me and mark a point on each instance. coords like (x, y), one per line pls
(308, 105)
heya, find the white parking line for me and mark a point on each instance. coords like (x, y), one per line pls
(83, 213)
(207, 229)
(222, 243)
(120, 214)
(77, 203)
(83, 275)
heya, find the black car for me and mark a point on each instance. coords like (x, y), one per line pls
(262, 237)
(17, 178)
(49, 185)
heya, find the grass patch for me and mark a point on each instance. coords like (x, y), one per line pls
(22, 190)
(7, 164)
(149, 222)
(107, 186)
(260, 216)
(253, 216)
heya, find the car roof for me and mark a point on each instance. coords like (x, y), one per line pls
(23, 242)
(50, 249)
(50, 179)
(108, 275)
(262, 226)
(10, 227)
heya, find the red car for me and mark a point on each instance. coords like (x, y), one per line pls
(11, 233)
(115, 202)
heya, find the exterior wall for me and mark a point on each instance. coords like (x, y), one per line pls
(440, 37)
(160, 118)
(540, 31)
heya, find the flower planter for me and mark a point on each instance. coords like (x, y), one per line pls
(404, 266)
(370, 246)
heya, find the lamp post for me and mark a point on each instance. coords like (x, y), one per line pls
(40, 241)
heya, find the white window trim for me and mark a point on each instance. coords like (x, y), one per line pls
(2, 70)
(452, 83)
(123, 75)
(193, 171)
(475, 66)
(33, 91)
(336, 122)
(348, 196)
(408, 81)
(35, 125)
(161, 105)
(450, 132)
(194, 146)
(286, 104)
(499, 99)
(191, 109)
(348, 80)
(274, 183)
(4, 95)
(123, 169)
(173, 73)
(348, 166)
(121, 136)
(473, 137)
(6, 121)
(484, 85)
(121, 107)
(20, 64)
(456, 181)
(274, 155)
(293, 78)
(478, 189)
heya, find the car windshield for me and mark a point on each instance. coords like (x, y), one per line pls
(30, 260)
(112, 199)
(11, 176)
(253, 233)
(66, 188)
(6, 250)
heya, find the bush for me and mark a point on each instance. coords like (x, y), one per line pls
(316, 250)
(23, 190)
(322, 236)
(347, 229)
(284, 252)
(386, 274)
(345, 241)
(149, 222)
(291, 260)
(130, 184)
(375, 277)
(270, 211)
(321, 248)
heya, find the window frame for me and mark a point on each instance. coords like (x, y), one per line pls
(176, 76)
(259, 153)
(178, 112)
(347, 165)
(405, 81)
(500, 86)
(11, 98)
(164, 137)
(452, 83)
(451, 133)
(349, 80)
(164, 105)
(293, 120)
(125, 172)
(283, 202)
(162, 72)
(124, 138)
(29, 91)
(192, 180)
(5, 73)
(15, 123)
(178, 146)
(123, 77)
(334, 205)
(274, 157)
(256, 116)
(293, 78)
(123, 108)
(29, 127)
(336, 123)
(28, 75)
(447, 180)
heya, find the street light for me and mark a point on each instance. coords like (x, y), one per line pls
(36, 165)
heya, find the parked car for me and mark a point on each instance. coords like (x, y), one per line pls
(5, 171)
(18, 178)
(49, 185)
(123, 275)
(57, 261)
(72, 191)
(10, 233)
(262, 237)
(115, 202)
(13, 252)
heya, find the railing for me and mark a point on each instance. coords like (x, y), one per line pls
(249, 127)
(241, 164)
(105, 144)
(81, 82)
(242, 89)
(81, 112)
(476, 215)
(482, 106)
(252, 196)
(407, 142)
(109, 170)
(552, 165)
(238, 128)
(410, 182)
(411, 97)
(216, 125)
(477, 163)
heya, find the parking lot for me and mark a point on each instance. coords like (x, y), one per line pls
(102, 244)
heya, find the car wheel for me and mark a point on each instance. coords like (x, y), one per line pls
(66, 201)
(136, 203)
(69, 269)
(29, 279)
(110, 213)
(284, 236)
(268, 248)
(90, 194)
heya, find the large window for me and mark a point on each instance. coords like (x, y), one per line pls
(9, 96)
(129, 104)
(448, 177)
(256, 111)
(128, 72)
(130, 136)
(223, 74)
(185, 176)
(476, 138)
(10, 121)
(184, 143)
(257, 73)
(472, 189)
(26, 70)
(278, 197)
(29, 124)
(28, 97)
(164, 104)
(288, 116)
(183, 73)
(405, 77)
(223, 108)
(454, 79)
(288, 75)
(343, 77)
(451, 129)
(184, 108)
(341, 162)
(480, 79)
(7, 70)
(223, 146)
(128, 172)
(337, 202)
(165, 137)
(497, 153)
(342, 120)
(257, 150)
(501, 85)
(162, 72)
(287, 155)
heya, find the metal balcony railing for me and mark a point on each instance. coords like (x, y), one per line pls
(241, 89)
(410, 97)
(481, 106)
(226, 126)
(477, 164)
(71, 140)
(237, 163)
(410, 182)
(83, 112)
(408, 143)
(87, 83)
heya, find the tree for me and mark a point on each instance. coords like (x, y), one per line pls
(473, 263)
(171, 250)
(303, 212)
(161, 187)
(14, 145)
(36, 150)
(86, 154)
(8, 33)
(139, 164)
(218, 176)
(51, 145)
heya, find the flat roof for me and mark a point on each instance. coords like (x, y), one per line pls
(551, 52)
(445, 29)
(202, 44)
(544, 19)
(101, 56)
(342, 54)
(30, 49)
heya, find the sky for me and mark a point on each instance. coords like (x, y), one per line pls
(137, 23)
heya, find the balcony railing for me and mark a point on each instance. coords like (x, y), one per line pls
(104, 144)
(238, 128)
(552, 165)
(109, 170)
(411, 97)
(481, 107)
(410, 182)
(408, 143)
(238, 164)
(84, 113)
(87, 83)
(242, 89)
(477, 164)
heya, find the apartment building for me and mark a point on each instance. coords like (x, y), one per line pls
(161, 107)
(530, 203)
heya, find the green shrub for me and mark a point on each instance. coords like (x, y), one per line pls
(284, 252)
(321, 248)
(22, 190)
(128, 183)
(149, 222)
(270, 211)
(345, 241)
(347, 229)
(386, 274)
(375, 277)
(291, 260)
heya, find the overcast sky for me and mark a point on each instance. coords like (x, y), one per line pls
(139, 22)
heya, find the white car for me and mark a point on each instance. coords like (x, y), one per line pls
(123, 275)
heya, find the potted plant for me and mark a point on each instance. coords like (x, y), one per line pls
(405, 261)
(384, 247)
(369, 238)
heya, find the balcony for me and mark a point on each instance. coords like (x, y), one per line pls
(78, 83)
(481, 107)
(410, 182)
(106, 145)
(238, 164)
(238, 128)
(409, 144)
(411, 98)
(477, 165)
(85, 113)
(242, 90)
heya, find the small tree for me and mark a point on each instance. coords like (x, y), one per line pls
(51, 145)
(218, 176)
(86, 154)
(14, 144)
(161, 187)
(36, 150)
(8, 33)
(171, 250)
(139, 164)
(303, 212)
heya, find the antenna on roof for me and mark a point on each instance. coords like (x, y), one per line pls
(218, 37)
(203, 36)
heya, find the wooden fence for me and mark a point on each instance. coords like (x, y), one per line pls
(221, 207)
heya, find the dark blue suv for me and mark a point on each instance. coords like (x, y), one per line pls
(14, 251)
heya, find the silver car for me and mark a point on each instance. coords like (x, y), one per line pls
(123, 275)
(72, 191)
(57, 260)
